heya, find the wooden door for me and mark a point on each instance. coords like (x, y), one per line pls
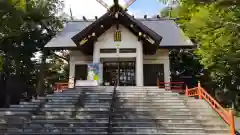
(80, 72)
(151, 71)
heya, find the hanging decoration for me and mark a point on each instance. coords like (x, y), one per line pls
(117, 36)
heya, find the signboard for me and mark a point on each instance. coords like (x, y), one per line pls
(95, 72)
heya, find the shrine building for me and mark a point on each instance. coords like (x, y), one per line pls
(136, 48)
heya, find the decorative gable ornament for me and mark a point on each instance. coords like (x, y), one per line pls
(117, 16)
(109, 3)
(117, 36)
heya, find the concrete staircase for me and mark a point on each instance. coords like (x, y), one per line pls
(137, 111)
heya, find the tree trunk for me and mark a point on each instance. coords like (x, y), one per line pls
(2, 90)
(40, 86)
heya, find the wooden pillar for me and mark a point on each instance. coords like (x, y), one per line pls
(232, 122)
(199, 90)
(186, 91)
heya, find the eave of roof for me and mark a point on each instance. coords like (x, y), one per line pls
(173, 36)
(108, 19)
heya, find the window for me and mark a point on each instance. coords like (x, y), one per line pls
(108, 50)
(128, 50)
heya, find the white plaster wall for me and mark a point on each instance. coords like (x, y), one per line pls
(129, 40)
(106, 40)
(76, 57)
(161, 57)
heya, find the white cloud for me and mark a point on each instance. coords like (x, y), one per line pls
(88, 8)
(91, 8)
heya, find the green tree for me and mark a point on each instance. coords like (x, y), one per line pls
(214, 26)
(1, 63)
(30, 25)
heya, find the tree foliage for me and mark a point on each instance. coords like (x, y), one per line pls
(214, 25)
(1, 63)
(25, 27)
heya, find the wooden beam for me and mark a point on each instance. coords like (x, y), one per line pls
(116, 2)
(129, 3)
(103, 3)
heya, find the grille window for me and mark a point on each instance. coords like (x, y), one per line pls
(108, 50)
(128, 50)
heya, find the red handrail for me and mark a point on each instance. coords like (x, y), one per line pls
(227, 116)
(59, 86)
(173, 86)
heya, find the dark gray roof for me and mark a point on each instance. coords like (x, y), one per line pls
(168, 29)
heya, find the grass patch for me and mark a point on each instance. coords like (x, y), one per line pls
(238, 114)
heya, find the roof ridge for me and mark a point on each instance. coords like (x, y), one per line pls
(140, 19)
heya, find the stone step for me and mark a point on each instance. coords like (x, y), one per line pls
(61, 133)
(105, 120)
(132, 110)
(105, 133)
(181, 110)
(149, 100)
(151, 133)
(216, 130)
(163, 105)
(57, 116)
(164, 124)
(79, 110)
(159, 101)
(58, 106)
(147, 96)
(150, 93)
(166, 116)
(69, 129)
(28, 103)
(17, 109)
(37, 100)
(71, 121)
(64, 95)
(82, 111)
(62, 103)
(62, 98)
(120, 129)
(162, 120)
(24, 106)
(151, 109)
(14, 113)
(155, 129)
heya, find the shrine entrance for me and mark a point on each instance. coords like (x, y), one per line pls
(124, 70)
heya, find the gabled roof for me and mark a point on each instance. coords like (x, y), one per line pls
(172, 35)
(116, 16)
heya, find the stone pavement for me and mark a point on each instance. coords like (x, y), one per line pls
(237, 125)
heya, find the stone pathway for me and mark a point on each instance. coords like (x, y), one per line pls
(237, 125)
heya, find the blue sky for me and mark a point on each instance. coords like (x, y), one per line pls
(151, 7)
(91, 8)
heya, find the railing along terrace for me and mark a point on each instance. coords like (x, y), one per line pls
(111, 109)
(226, 115)
(171, 86)
(59, 86)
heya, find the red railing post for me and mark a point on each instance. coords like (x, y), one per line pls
(186, 91)
(199, 90)
(158, 83)
(232, 122)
